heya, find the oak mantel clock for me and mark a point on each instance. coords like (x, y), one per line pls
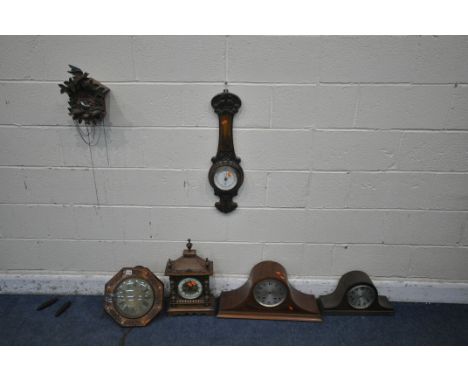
(267, 295)
(134, 296)
(355, 295)
(189, 279)
(226, 175)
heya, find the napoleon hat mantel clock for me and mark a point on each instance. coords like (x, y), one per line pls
(355, 294)
(267, 295)
(226, 175)
(189, 279)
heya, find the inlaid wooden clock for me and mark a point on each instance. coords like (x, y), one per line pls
(134, 296)
(267, 295)
(226, 175)
(189, 278)
(355, 294)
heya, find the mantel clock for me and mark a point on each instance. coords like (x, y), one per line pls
(189, 279)
(355, 294)
(267, 295)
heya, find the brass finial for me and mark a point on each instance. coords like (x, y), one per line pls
(189, 244)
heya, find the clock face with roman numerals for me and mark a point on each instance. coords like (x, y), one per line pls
(270, 293)
(133, 297)
(361, 296)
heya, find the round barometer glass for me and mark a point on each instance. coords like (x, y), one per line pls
(133, 297)
(225, 178)
(270, 293)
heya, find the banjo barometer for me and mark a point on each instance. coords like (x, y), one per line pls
(226, 175)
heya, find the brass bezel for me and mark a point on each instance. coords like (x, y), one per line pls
(128, 273)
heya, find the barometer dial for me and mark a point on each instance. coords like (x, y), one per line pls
(225, 178)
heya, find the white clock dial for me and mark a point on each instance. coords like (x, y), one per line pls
(190, 288)
(270, 293)
(134, 297)
(225, 178)
(361, 296)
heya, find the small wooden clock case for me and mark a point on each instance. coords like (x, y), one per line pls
(193, 266)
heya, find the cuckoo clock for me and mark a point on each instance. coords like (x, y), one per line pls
(355, 294)
(86, 97)
(189, 278)
(267, 295)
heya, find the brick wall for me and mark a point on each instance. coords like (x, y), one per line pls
(355, 151)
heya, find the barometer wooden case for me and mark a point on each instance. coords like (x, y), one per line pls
(189, 278)
(355, 295)
(267, 295)
(226, 175)
(134, 296)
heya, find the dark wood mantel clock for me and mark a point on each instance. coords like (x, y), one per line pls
(355, 294)
(226, 175)
(267, 295)
(189, 278)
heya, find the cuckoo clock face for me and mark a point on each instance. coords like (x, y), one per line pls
(134, 296)
(189, 280)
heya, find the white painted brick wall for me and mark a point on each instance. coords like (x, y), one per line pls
(355, 151)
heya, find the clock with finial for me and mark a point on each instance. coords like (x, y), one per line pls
(189, 280)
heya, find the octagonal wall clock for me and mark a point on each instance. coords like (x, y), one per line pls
(189, 279)
(134, 296)
(267, 295)
(226, 175)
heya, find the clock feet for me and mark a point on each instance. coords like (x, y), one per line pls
(198, 309)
